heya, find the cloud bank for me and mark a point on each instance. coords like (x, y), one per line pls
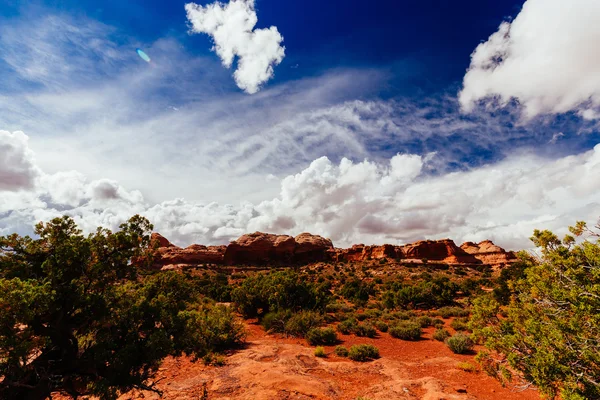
(351, 202)
(548, 59)
(231, 26)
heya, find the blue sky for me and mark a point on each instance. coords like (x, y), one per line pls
(389, 87)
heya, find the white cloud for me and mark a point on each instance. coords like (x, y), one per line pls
(231, 26)
(548, 59)
(17, 164)
(351, 202)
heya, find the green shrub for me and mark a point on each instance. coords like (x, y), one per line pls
(381, 326)
(363, 352)
(341, 351)
(447, 312)
(275, 321)
(365, 330)
(402, 315)
(438, 323)
(300, 323)
(441, 335)
(361, 316)
(424, 321)
(320, 336)
(459, 343)
(281, 290)
(320, 352)
(406, 331)
(357, 291)
(460, 324)
(338, 307)
(347, 326)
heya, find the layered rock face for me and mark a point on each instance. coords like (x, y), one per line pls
(488, 253)
(360, 252)
(267, 249)
(439, 250)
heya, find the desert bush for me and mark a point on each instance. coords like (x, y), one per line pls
(459, 343)
(81, 314)
(550, 333)
(357, 291)
(215, 360)
(275, 321)
(341, 351)
(281, 290)
(402, 315)
(302, 322)
(467, 367)
(365, 330)
(441, 335)
(361, 316)
(438, 323)
(320, 352)
(447, 312)
(363, 352)
(338, 308)
(424, 321)
(321, 336)
(381, 326)
(406, 330)
(460, 324)
(347, 326)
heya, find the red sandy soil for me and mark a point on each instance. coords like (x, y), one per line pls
(271, 367)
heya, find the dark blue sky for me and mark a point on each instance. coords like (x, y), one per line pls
(431, 38)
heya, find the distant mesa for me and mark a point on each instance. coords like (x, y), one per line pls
(261, 249)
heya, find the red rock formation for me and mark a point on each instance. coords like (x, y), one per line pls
(488, 253)
(311, 248)
(264, 248)
(260, 248)
(439, 250)
(360, 252)
(159, 240)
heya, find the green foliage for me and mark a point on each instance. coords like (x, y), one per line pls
(357, 291)
(424, 321)
(77, 316)
(341, 351)
(275, 321)
(381, 326)
(300, 323)
(318, 336)
(320, 352)
(347, 326)
(441, 335)
(438, 323)
(365, 330)
(460, 324)
(406, 330)
(459, 343)
(447, 312)
(434, 292)
(550, 333)
(363, 352)
(282, 290)
(216, 287)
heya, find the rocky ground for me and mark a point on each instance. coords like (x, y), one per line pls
(271, 367)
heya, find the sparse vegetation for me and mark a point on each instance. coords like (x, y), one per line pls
(441, 335)
(320, 336)
(459, 343)
(341, 351)
(320, 352)
(363, 352)
(406, 330)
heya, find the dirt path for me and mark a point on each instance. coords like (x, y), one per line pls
(273, 368)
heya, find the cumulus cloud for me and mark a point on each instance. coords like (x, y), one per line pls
(17, 164)
(231, 26)
(391, 201)
(548, 59)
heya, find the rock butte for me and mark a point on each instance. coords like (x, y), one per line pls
(260, 249)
